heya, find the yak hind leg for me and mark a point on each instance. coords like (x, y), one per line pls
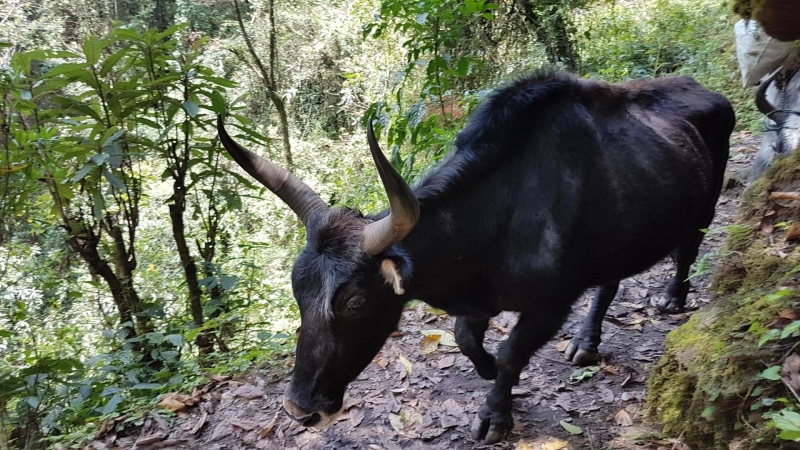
(469, 331)
(582, 350)
(678, 288)
(531, 332)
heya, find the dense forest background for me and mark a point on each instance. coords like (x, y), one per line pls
(135, 257)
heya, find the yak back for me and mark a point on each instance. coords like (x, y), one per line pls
(561, 181)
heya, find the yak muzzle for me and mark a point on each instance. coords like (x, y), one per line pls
(318, 420)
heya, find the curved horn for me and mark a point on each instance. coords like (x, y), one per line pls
(762, 103)
(403, 205)
(301, 198)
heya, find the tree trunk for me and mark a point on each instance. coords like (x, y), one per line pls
(85, 245)
(556, 39)
(163, 15)
(268, 78)
(203, 340)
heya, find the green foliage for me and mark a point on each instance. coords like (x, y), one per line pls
(437, 40)
(656, 38)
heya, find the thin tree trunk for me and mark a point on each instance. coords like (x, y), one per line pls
(557, 42)
(203, 341)
(268, 78)
(163, 14)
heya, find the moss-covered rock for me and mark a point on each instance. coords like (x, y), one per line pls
(706, 387)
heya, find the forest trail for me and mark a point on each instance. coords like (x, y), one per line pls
(421, 393)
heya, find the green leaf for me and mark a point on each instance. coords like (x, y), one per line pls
(32, 401)
(5, 334)
(191, 108)
(219, 81)
(92, 49)
(112, 404)
(790, 329)
(217, 102)
(155, 337)
(115, 181)
(772, 373)
(112, 60)
(170, 354)
(99, 158)
(708, 411)
(80, 174)
(171, 30)
(89, 111)
(21, 63)
(65, 69)
(787, 420)
(228, 282)
(98, 204)
(51, 54)
(584, 373)
(146, 386)
(111, 135)
(789, 435)
(571, 429)
(175, 339)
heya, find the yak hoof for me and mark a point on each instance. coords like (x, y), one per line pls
(671, 305)
(491, 427)
(580, 356)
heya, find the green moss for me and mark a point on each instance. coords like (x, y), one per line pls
(699, 388)
(702, 387)
(739, 237)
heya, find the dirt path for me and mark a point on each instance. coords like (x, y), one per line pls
(420, 393)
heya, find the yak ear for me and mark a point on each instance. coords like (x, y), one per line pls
(392, 276)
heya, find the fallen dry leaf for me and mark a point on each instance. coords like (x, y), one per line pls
(794, 232)
(429, 343)
(562, 346)
(622, 418)
(244, 424)
(218, 378)
(407, 423)
(605, 394)
(406, 363)
(356, 417)
(175, 401)
(789, 314)
(446, 338)
(248, 392)
(200, 422)
(447, 361)
(555, 445)
(269, 429)
(522, 445)
(381, 362)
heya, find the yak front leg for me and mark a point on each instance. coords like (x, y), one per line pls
(469, 337)
(582, 350)
(531, 332)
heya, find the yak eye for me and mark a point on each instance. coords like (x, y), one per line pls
(355, 303)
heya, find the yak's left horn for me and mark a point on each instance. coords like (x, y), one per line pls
(403, 205)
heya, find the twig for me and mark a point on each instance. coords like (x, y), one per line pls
(783, 380)
(678, 441)
(785, 196)
(786, 355)
(553, 360)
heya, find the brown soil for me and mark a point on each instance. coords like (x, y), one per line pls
(410, 399)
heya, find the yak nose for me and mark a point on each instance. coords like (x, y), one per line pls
(300, 415)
